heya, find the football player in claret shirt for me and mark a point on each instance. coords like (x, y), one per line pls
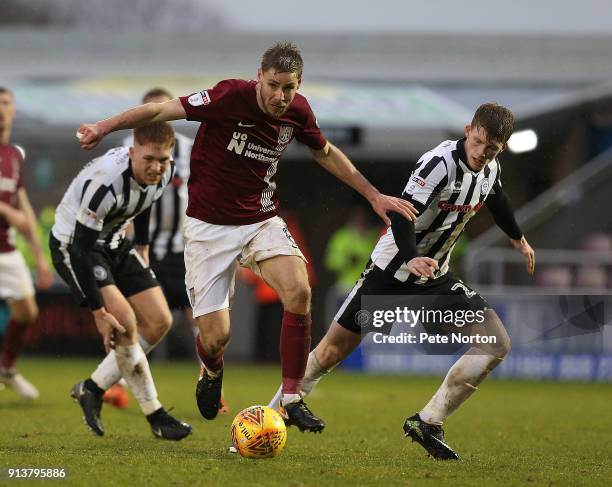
(449, 184)
(233, 210)
(166, 236)
(15, 280)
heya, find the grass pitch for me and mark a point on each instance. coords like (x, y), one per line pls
(508, 433)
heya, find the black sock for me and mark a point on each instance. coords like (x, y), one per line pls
(90, 385)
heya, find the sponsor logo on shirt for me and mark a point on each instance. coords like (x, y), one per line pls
(446, 206)
(484, 189)
(199, 99)
(239, 145)
(238, 142)
(420, 181)
(86, 215)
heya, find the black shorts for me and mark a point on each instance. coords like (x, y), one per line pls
(170, 272)
(122, 267)
(378, 292)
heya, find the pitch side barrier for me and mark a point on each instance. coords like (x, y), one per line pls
(555, 337)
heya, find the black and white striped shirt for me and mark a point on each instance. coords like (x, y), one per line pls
(450, 193)
(168, 212)
(105, 197)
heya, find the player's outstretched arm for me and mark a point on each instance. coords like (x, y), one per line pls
(90, 135)
(336, 162)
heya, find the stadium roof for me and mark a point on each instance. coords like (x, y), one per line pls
(403, 92)
(391, 57)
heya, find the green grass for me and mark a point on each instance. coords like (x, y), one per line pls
(508, 433)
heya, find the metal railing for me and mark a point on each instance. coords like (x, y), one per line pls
(487, 263)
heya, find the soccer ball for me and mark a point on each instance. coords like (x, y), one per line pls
(258, 432)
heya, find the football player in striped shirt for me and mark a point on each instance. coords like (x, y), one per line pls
(448, 186)
(108, 274)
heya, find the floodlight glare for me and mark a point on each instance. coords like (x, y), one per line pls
(523, 141)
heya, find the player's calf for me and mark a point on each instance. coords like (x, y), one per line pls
(13, 379)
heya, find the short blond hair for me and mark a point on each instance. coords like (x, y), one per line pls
(157, 133)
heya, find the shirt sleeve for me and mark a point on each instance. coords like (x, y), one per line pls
(405, 236)
(311, 134)
(96, 203)
(208, 104)
(82, 264)
(426, 181)
(499, 205)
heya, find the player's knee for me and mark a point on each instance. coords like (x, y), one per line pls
(297, 295)
(503, 347)
(500, 348)
(27, 317)
(214, 344)
(26, 313)
(159, 325)
(127, 319)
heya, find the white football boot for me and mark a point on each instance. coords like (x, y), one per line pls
(13, 379)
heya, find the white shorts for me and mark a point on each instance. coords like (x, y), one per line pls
(15, 277)
(211, 252)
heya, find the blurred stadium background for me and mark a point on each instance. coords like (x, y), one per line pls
(386, 86)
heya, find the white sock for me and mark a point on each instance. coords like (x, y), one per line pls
(212, 375)
(146, 346)
(289, 398)
(108, 372)
(312, 376)
(276, 400)
(460, 382)
(134, 367)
